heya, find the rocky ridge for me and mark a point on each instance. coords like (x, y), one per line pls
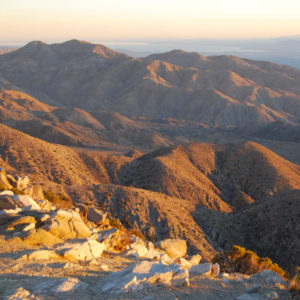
(38, 239)
(219, 91)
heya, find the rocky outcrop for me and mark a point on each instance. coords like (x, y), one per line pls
(67, 225)
(61, 238)
(81, 250)
(145, 274)
(18, 201)
(4, 181)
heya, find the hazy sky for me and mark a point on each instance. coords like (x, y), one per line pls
(97, 20)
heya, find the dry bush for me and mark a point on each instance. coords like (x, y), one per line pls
(17, 191)
(239, 259)
(2, 188)
(294, 285)
(116, 223)
(137, 232)
(59, 200)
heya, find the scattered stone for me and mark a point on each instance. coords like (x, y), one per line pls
(29, 227)
(7, 192)
(107, 235)
(45, 204)
(165, 259)
(9, 214)
(183, 263)
(44, 218)
(69, 285)
(248, 297)
(93, 262)
(145, 274)
(215, 270)
(23, 220)
(67, 225)
(194, 260)
(95, 215)
(116, 240)
(56, 286)
(225, 280)
(7, 202)
(270, 277)
(255, 289)
(25, 202)
(41, 255)
(4, 180)
(175, 248)
(37, 193)
(137, 249)
(82, 250)
(20, 294)
(271, 295)
(41, 237)
(105, 268)
(201, 269)
(181, 279)
(44, 287)
(18, 182)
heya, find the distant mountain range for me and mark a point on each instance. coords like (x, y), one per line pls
(177, 144)
(218, 91)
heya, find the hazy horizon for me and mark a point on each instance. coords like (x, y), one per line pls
(118, 20)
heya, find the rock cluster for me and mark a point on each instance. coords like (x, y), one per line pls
(58, 234)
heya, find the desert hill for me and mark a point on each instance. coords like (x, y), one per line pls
(74, 126)
(217, 91)
(212, 199)
(51, 163)
(239, 174)
(176, 144)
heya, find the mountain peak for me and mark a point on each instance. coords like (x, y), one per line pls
(180, 57)
(67, 51)
(76, 42)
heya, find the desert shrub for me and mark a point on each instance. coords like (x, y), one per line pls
(2, 188)
(116, 223)
(120, 244)
(17, 191)
(239, 259)
(59, 200)
(294, 285)
(137, 232)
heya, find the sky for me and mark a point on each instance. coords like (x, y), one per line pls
(98, 20)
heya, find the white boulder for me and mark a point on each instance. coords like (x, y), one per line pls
(144, 274)
(26, 202)
(7, 192)
(175, 248)
(215, 270)
(82, 250)
(201, 269)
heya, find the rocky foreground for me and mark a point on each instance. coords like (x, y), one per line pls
(78, 253)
